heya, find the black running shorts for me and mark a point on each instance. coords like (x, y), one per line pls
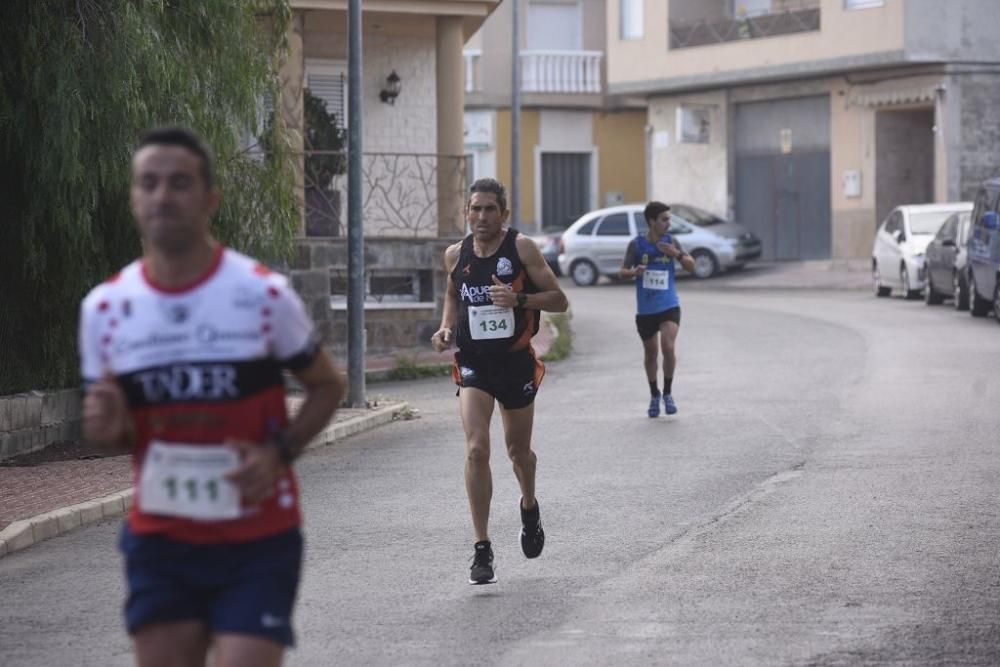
(649, 325)
(512, 378)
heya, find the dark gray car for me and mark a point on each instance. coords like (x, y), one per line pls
(945, 262)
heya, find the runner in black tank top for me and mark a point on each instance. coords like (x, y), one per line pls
(473, 277)
(498, 282)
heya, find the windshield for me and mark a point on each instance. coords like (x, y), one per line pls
(928, 223)
(702, 217)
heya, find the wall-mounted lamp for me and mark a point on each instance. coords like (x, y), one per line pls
(393, 84)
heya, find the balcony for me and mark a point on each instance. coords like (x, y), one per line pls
(572, 72)
(783, 17)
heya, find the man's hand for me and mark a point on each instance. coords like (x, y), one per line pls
(259, 469)
(105, 413)
(639, 269)
(669, 249)
(441, 340)
(502, 295)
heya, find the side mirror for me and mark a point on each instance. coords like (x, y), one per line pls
(948, 243)
(898, 236)
(990, 220)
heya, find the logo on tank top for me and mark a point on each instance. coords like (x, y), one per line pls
(504, 267)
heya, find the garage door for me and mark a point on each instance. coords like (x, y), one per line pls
(783, 175)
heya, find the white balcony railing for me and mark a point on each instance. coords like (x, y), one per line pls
(561, 71)
(473, 82)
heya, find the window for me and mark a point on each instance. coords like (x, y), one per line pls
(744, 8)
(615, 224)
(862, 4)
(554, 26)
(587, 228)
(678, 228)
(693, 125)
(327, 80)
(631, 19)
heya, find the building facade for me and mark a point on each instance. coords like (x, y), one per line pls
(580, 147)
(808, 120)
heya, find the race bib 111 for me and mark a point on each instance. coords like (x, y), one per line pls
(189, 481)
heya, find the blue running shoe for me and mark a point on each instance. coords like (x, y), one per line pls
(668, 405)
(654, 406)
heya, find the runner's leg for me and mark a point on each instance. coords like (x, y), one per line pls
(650, 352)
(517, 425)
(244, 651)
(668, 339)
(176, 644)
(477, 411)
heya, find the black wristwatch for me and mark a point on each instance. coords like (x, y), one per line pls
(285, 453)
(522, 299)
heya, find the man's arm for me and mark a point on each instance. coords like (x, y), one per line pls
(441, 340)
(549, 296)
(261, 466)
(630, 269)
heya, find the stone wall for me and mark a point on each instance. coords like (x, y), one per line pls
(36, 419)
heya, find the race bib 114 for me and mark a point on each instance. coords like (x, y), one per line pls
(658, 280)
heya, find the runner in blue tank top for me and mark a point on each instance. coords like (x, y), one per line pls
(650, 260)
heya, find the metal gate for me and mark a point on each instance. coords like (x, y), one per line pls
(783, 175)
(565, 188)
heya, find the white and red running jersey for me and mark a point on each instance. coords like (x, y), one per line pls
(199, 365)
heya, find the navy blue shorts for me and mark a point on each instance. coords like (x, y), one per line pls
(247, 588)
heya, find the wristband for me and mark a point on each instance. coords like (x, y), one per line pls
(285, 453)
(522, 299)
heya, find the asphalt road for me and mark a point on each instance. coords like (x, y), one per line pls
(826, 495)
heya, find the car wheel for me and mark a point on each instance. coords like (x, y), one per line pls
(583, 272)
(931, 297)
(705, 264)
(960, 293)
(877, 286)
(978, 306)
(904, 279)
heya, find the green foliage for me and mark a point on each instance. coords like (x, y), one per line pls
(78, 82)
(322, 134)
(408, 368)
(562, 346)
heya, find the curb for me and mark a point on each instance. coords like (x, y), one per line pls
(25, 532)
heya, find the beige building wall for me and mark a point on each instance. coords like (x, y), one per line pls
(692, 173)
(843, 34)
(530, 121)
(620, 141)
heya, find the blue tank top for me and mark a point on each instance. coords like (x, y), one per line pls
(655, 290)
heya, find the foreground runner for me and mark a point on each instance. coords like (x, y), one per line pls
(649, 260)
(182, 353)
(498, 282)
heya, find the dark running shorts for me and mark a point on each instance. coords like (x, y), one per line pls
(512, 378)
(649, 325)
(247, 588)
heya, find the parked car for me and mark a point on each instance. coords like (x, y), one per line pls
(548, 243)
(595, 244)
(702, 218)
(983, 272)
(945, 263)
(900, 242)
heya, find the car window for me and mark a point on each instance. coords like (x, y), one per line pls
(587, 229)
(947, 230)
(615, 224)
(678, 228)
(927, 222)
(963, 228)
(894, 223)
(981, 206)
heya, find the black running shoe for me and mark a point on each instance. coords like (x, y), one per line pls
(482, 565)
(532, 535)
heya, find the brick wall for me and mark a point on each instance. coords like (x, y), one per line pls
(31, 421)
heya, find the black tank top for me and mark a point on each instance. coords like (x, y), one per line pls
(492, 330)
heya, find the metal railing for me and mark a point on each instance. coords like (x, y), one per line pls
(785, 17)
(561, 71)
(401, 192)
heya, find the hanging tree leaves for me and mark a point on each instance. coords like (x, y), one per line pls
(79, 79)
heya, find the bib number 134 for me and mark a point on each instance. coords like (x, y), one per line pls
(487, 322)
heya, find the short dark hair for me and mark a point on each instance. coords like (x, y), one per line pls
(653, 210)
(185, 138)
(491, 185)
